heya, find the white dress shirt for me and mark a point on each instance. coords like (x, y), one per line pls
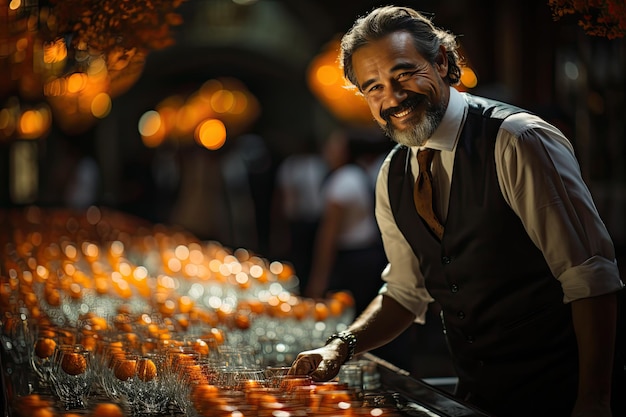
(541, 181)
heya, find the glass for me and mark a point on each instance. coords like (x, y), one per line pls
(294, 382)
(72, 377)
(352, 375)
(142, 383)
(237, 368)
(15, 337)
(239, 379)
(237, 356)
(183, 372)
(274, 375)
(42, 356)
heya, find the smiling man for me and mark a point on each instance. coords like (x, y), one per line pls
(501, 231)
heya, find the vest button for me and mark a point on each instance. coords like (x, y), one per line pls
(460, 315)
(446, 260)
(454, 288)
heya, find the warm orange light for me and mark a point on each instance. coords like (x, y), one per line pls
(31, 124)
(468, 77)
(222, 101)
(209, 88)
(240, 104)
(187, 119)
(76, 82)
(326, 81)
(211, 134)
(101, 105)
(149, 123)
(182, 118)
(55, 87)
(98, 68)
(328, 74)
(168, 110)
(54, 51)
(5, 119)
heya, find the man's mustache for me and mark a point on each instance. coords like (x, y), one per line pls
(408, 103)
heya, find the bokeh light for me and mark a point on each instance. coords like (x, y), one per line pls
(326, 81)
(468, 77)
(203, 116)
(211, 134)
(150, 128)
(101, 105)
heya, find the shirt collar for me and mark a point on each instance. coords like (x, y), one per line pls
(447, 134)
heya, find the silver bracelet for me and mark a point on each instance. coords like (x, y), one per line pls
(347, 337)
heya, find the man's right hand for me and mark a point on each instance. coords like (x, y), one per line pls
(323, 363)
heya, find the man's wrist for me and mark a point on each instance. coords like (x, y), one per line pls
(348, 338)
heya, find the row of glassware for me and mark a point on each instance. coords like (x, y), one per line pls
(102, 303)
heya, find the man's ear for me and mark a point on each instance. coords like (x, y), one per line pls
(441, 62)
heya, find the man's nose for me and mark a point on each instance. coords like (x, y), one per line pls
(396, 94)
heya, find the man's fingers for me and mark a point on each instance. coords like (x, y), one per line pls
(326, 370)
(304, 365)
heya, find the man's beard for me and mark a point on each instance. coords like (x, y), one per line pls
(419, 133)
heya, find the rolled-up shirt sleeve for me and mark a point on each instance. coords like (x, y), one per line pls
(403, 279)
(541, 180)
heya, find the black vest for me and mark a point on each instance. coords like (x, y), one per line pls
(509, 333)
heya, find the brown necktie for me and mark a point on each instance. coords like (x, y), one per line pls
(423, 191)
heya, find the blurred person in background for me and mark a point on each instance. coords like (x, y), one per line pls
(520, 262)
(348, 253)
(297, 208)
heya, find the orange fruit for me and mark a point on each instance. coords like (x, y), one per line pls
(345, 297)
(168, 308)
(218, 335)
(201, 347)
(42, 412)
(124, 309)
(153, 330)
(44, 348)
(73, 363)
(185, 304)
(45, 332)
(146, 369)
(286, 273)
(182, 321)
(200, 391)
(335, 307)
(35, 312)
(102, 286)
(53, 297)
(99, 323)
(107, 410)
(256, 306)
(32, 401)
(75, 291)
(31, 300)
(321, 311)
(122, 323)
(89, 342)
(256, 396)
(301, 310)
(125, 369)
(242, 321)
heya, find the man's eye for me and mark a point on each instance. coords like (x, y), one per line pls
(405, 75)
(373, 89)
